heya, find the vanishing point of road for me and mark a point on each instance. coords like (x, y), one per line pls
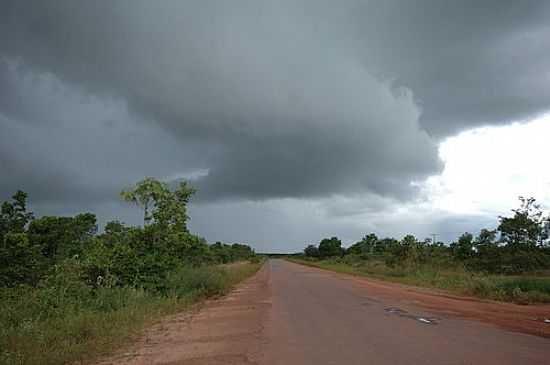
(293, 314)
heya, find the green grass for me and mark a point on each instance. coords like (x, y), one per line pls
(76, 325)
(519, 289)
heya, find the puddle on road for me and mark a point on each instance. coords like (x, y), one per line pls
(404, 314)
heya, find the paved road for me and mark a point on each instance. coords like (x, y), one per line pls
(291, 314)
(320, 318)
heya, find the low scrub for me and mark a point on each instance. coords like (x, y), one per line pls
(72, 322)
(522, 289)
(69, 293)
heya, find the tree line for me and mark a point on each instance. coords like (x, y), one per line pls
(33, 250)
(520, 243)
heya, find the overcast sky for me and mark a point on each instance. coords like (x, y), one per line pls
(295, 119)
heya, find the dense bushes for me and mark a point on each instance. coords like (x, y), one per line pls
(66, 321)
(32, 250)
(62, 284)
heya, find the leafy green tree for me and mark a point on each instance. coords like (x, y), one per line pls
(407, 253)
(21, 262)
(330, 247)
(146, 193)
(464, 248)
(160, 205)
(385, 244)
(222, 253)
(114, 227)
(13, 215)
(241, 252)
(61, 237)
(311, 251)
(526, 228)
(367, 245)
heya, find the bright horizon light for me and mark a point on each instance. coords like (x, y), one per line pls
(488, 168)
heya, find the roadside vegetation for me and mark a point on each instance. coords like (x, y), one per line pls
(511, 263)
(69, 293)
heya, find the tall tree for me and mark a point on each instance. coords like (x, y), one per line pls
(161, 205)
(13, 215)
(146, 193)
(526, 228)
(464, 248)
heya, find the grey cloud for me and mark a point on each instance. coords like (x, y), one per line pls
(276, 99)
(68, 148)
(469, 63)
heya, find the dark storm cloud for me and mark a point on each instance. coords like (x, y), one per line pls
(67, 148)
(272, 99)
(278, 102)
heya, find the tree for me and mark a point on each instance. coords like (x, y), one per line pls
(161, 205)
(61, 237)
(13, 215)
(330, 247)
(486, 243)
(369, 244)
(114, 227)
(145, 194)
(464, 248)
(171, 208)
(20, 261)
(526, 228)
(406, 253)
(311, 251)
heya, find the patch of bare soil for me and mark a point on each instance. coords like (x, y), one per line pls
(222, 331)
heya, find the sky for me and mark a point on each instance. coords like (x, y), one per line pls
(295, 120)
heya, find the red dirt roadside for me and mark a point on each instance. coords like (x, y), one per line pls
(222, 331)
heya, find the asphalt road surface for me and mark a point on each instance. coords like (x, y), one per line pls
(293, 314)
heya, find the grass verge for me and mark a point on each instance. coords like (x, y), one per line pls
(71, 325)
(521, 289)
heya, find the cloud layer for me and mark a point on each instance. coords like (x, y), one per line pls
(257, 100)
(279, 109)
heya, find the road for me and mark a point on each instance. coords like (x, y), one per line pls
(293, 314)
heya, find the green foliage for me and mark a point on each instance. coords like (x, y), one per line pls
(64, 288)
(160, 205)
(21, 262)
(64, 320)
(330, 247)
(519, 289)
(523, 247)
(311, 251)
(13, 215)
(368, 245)
(484, 266)
(61, 237)
(526, 228)
(464, 248)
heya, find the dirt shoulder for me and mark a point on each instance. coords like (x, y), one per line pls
(220, 331)
(527, 319)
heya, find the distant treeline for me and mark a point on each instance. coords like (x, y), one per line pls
(519, 244)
